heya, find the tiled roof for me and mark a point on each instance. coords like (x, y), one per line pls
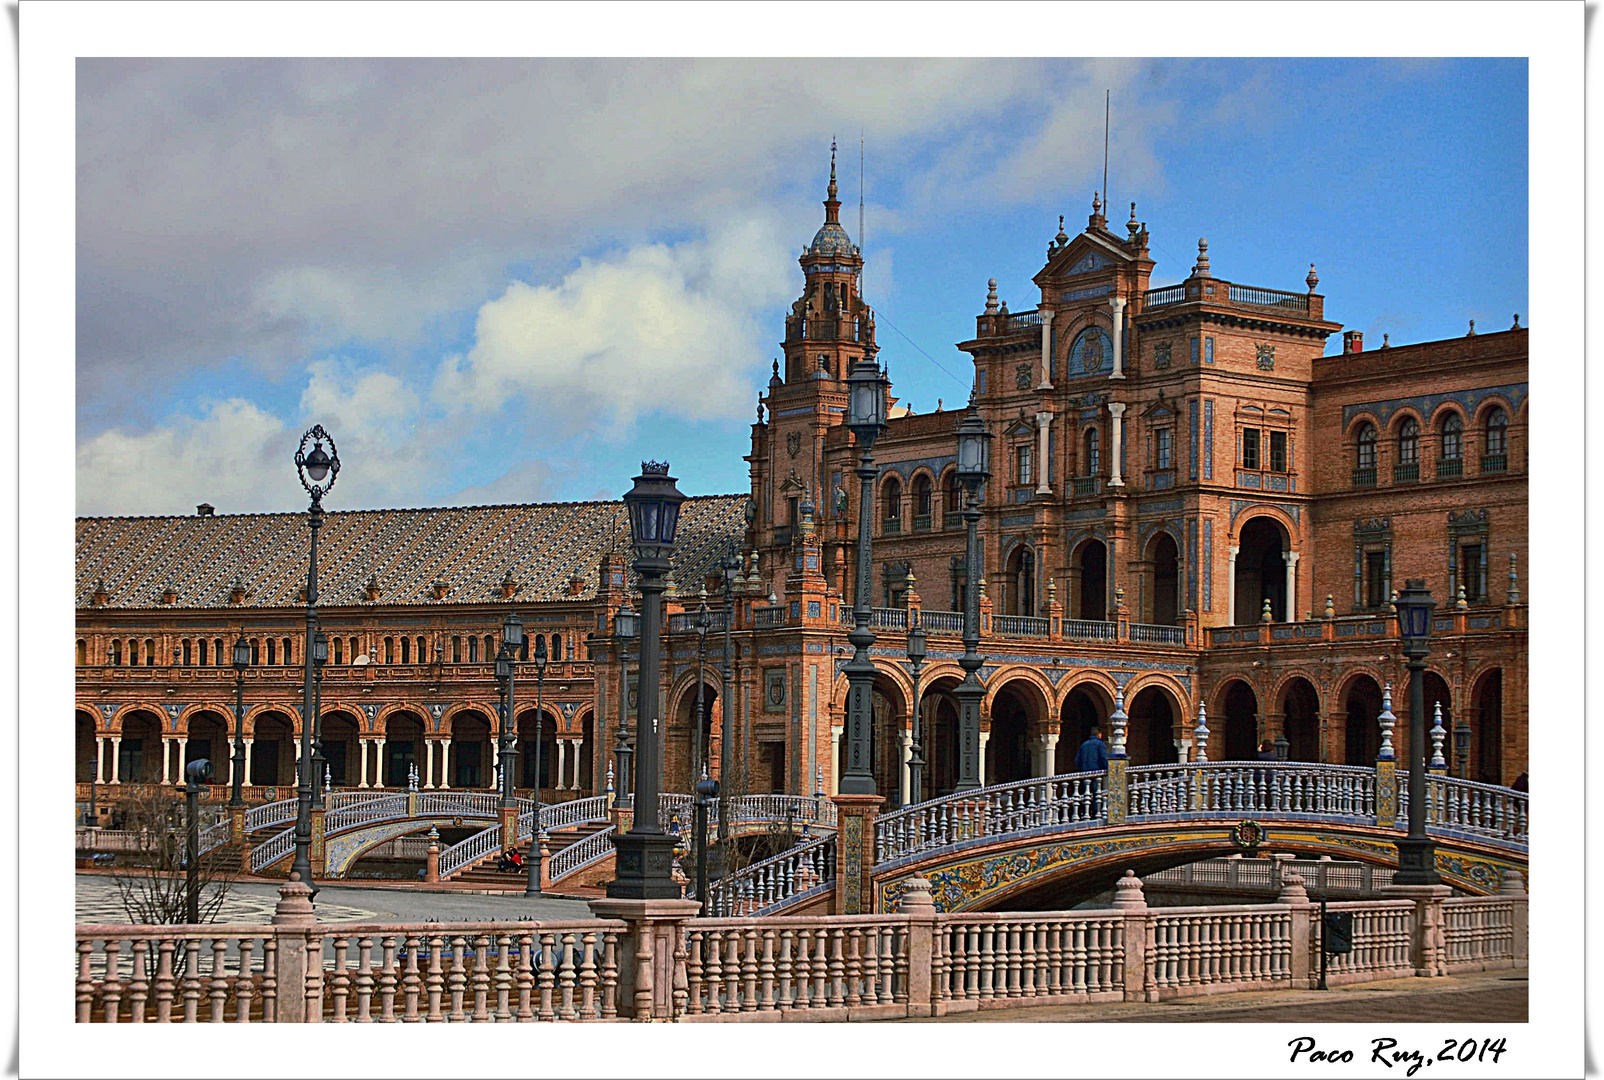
(469, 548)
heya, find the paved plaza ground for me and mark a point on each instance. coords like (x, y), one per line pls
(252, 902)
(1481, 997)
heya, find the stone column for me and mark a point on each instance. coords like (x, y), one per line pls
(1046, 382)
(921, 912)
(854, 844)
(428, 764)
(167, 760)
(1118, 304)
(835, 756)
(1305, 975)
(562, 765)
(378, 772)
(1043, 419)
(1050, 753)
(183, 758)
(1117, 443)
(100, 759)
(905, 755)
(292, 920)
(1291, 559)
(1230, 587)
(116, 759)
(250, 740)
(1428, 947)
(1129, 901)
(985, 737)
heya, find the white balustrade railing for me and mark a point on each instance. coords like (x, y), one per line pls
(1295, 789)
(580, 854)
(561, 815)
(466, 852)
(1264, 875)
(216, 836)
(1477, 931)
(1480, 809)
(475, 804)
(1068, 800)
(366, 812)
(1205, 949)
(272, 850)
(274, 813)
(755, 889)
(1381, 941)
(764, 808)
(798, 965)
(176, 975)
(339, 800)
(980, 957)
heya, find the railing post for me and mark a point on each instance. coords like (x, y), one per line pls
(1129, 901)
(1296, 897)
(921, 912)
(291, 919)
(854, 850)
(431, 863)
(1387, 768)
(236, 824)
(318, 852)
(1513, 887)
(1428, 945)
(651, 955)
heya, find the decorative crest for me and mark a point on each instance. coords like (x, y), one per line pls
(654, 468)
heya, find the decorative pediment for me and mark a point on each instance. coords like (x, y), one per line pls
(1091, 260)
(1085, 254)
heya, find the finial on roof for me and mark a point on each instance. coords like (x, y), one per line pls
(1385, 344)
(991, 296)
(832, 188)
(1472, 329)
(1131, 226)
(1004, 309)
(938, 404)
(1517, 322)
(1097, 204)
(1062, 238)
(760, 412)
(1202, 267)
(1313, 279)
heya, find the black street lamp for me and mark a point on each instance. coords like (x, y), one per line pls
(1283, 748)
(532, 885)
(916, 760)
(1417, 854)
(320, 768)
(702, 623)
(866, 416)
(645, 852)
(731, 566)
(974, 468)
(512, 642)
(626, 625)
(242, 660)
(706, 792)
(196, 773)
(317, 469)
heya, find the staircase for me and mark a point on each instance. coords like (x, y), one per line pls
(485, 875)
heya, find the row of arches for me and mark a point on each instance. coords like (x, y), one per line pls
(1448, 427)
(463, 756)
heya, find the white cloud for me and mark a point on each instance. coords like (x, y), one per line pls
(671, 327)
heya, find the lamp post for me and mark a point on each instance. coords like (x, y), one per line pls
(974, 467)
(731, 566)
(196, 773)
(532, 884)
(706, 791)
(317, 469)
(320, 656)
(512, 643)
(866, 416)
(1417, 854)
(916, 760)
(645, 852)
(701, 624)
(1283, 748)
(242, 660)
(626, 625)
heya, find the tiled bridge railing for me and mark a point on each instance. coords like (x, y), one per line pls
(914, 962)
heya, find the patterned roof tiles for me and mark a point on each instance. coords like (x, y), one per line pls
(469, 548)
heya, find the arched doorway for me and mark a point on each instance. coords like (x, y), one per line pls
(1261, 571)
(403, 745)
(272, 750)
(140, 751)
(86, 749)
(686, 768)
(1487, 746)
(546, 730)
(939, 742)
(1013, 720)
(587, 753)
(1300, 710)
(1241, 722)
(208, 739)
(1086, 707)
(1153, 728)
(1091, 566)
(468, 754)
(1362, 703)
(340, 748)
(1166, 563)
(1020, 582)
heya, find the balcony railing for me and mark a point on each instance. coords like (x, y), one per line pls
(1364, 478)
(1088, 485)
(1089, 630)
(942, 622)
(766, 618)
(1494, 463)
(1169, 294)
(921, 523)
(684, 622)
(1013, 324)
(888, 618)
(1268, 298)
(1408, 473)
(952, 519)
(1450, 468)
(1158, 634)
(1020, 626)
(890, 526)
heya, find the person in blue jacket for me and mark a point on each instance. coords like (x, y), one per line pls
(1093, 753)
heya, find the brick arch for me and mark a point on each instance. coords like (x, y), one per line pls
(1180, 696)
(1290, 529)
(1441, 413)
(1087, 317)
(1085, 679)
(1163, 527)
(1486, 404)
(350, 708)
(683, 688)
(1345, 682)
(1003, 677)
(490, 712)
(189, 712)
(115, 724)
(1283, 682)
(1350, 433)
(253, 713)
(1404, 412)
(387, 711)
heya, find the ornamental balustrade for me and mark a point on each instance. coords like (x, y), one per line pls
(1002, 809)
(367, 812)
(278, 813)
(582, 853)
(215, 836)
(1282, 789)
(910, 963)
(272, 850)
(1158, 634)
(1475, 809)
(1252, 875)
(1019, 626)
(942, 622)
(480, 845)
(800, 873)
(458, 803)
(1090, 630)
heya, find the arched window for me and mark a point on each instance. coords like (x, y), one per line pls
(891, 505)
(1409, 442)
(953, 501)
(83, 652)
(389, 650)
(1089, 460)
(540, 643)
(423, 651)
(256, 652)
(406, 651)
(272, 651)
(456, 648)
(490, 648)
(922, 497)
(188, 658)
(556, 646)
(202, 644)
(217, 651)
(339, 650)
(1497, 433)
(1452, 433)
(150, 652)
(354, 650)
(115, 656)
(1367, 447)
(473, 650)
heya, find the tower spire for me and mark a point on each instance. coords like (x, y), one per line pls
(831, 190)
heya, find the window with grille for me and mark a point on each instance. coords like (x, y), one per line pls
(1408, 442)
(1278, 451)
(1452, 431)
(1163, 450)
(1470, 577)
(1250, 448)
(1022, 465)
(1367, 447)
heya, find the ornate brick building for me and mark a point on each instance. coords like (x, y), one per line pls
(1191, 508)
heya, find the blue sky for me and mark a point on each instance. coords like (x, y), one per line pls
(513, 280)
